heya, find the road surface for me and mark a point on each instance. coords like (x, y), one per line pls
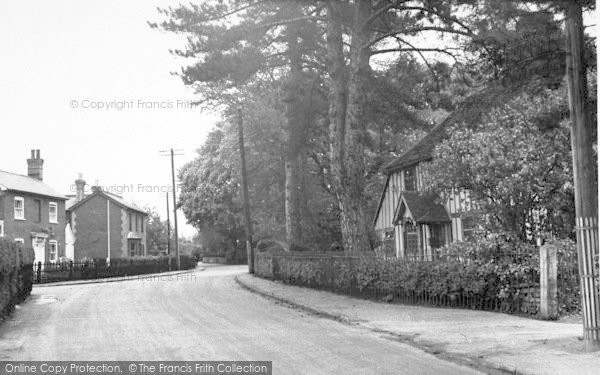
(203, 315)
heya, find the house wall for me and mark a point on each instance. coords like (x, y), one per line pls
(391, 196)
(33, 223)
(458, 203)
(89, 222)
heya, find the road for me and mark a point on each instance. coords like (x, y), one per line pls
(203, 315)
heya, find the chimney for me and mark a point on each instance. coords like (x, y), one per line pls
(96, 186)
(80, 185)
(35, 165)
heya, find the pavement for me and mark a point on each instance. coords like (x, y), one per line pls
(197, 316)
(480, 339)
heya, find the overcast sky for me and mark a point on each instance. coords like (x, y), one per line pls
(57, 55)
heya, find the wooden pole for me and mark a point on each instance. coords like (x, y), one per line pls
(175, 210)
(168, 227)
(245, 196)
(584, 175)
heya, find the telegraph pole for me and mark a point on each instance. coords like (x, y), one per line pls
(171, 152)
(168, 227)
(245, 196)
(175, 210)
(584, 176)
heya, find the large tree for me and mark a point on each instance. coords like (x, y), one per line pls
(236, 44)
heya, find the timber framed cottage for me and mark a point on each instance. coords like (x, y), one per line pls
(412, 223)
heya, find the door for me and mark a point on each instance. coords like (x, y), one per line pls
(39, 249)
(411, 241)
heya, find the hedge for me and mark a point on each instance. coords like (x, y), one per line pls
(15, 274)
(498, 285)
(497, 273)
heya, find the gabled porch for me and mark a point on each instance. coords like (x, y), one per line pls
(421, 225)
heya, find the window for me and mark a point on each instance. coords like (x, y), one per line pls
(53, 251)
(19, 208)
(130, 222)
(410, 179)
(142, 224)
(131, 249)
(19, 240)
(1, 228)
(136, 222)
(53, 212)
(38, 207)
(469, 228)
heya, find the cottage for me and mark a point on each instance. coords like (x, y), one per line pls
(411, 223)
(103, 225)
(31, 212)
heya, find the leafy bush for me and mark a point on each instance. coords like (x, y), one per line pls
(497, 274)
(16, 263)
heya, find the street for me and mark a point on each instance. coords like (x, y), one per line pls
(202, 315)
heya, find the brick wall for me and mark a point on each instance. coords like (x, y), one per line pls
(90, 222)
(34, 222)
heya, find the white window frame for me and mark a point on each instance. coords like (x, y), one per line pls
(53, 218)
(20, 240)
(53, 254)
(1, 228)
(22, 209)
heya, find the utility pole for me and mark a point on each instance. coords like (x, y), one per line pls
(171, 152)
(168, 227)
(245, 196)
(584, 175)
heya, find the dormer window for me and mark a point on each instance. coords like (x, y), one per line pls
(410, 179)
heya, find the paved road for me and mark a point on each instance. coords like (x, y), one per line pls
(204, 315)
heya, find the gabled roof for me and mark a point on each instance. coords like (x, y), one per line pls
(470, 112)
(26, 184)
(117, 199)
(423, 208)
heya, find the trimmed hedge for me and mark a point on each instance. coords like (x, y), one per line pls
(15, 274)
(497, 284)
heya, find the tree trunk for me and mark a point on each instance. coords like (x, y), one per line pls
(347, 124)
(584, 175)
(294, 139)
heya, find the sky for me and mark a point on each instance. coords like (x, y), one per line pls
(66, 66)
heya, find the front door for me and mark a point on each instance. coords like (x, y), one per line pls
(39, 249)
(411, 241)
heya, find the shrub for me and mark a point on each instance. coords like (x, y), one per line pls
(497, 274)
(16, 267)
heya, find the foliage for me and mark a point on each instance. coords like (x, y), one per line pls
(504, 278)
(16, 274)
(157, 233)
(516, 162)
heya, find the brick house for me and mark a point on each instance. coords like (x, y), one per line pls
(103, 225)
(33, 213)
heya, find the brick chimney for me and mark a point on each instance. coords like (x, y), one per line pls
(35, 165)
(80, 191)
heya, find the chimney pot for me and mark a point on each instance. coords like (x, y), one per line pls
(80, 188)
(35, 166)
